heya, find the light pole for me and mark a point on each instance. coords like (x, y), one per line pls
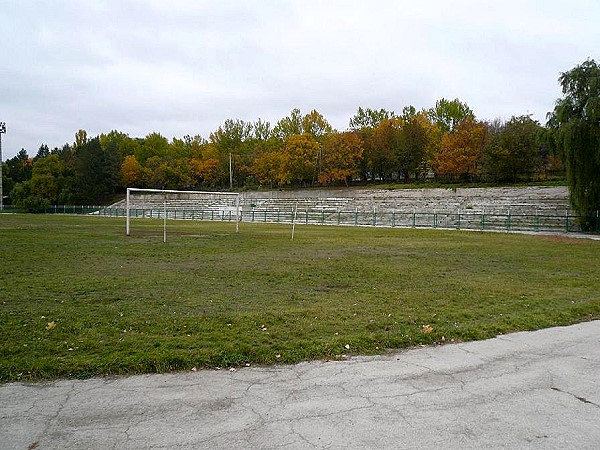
(2, 131)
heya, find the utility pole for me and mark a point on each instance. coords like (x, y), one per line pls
(230, 171)
(2, 131)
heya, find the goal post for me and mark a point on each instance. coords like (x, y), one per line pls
(174, 204)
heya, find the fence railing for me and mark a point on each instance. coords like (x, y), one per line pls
(460, 220)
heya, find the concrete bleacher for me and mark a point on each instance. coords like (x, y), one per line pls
(444, 208)
(525, 200)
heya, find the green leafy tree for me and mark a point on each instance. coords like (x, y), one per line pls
(152, 145)
(365, 121)
(577, 121)
(262, 130)
(412, 147)
(315, 124)
(369, 118)
(97, 174)
(382, 148)
(448, 114)
(42, 152)
(234, 138)
(16, 170)
(513, 149)
(230, 136)
(120, 143)
(44, 187)
(289, 126)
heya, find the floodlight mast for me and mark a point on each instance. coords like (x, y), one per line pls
(2, 131)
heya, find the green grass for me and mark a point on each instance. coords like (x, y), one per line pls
(212, 298)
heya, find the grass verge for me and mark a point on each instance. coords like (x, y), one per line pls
(80, 299)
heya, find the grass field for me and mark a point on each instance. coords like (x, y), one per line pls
(79, 298)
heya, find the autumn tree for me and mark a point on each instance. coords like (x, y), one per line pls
(412, 146)
(316, 125)
(365, 121)
(461, 150)
(301, 152)
(132, 172)
(341, 157)
(269, 169)
(80, 138)
(205, 172)
(207, 167)
(382, 148)
(576, 118)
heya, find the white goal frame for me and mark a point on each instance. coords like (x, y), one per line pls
(166, 193)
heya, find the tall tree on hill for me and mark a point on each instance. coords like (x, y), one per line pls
(577, 120)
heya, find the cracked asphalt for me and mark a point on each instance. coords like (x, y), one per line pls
(525, 390)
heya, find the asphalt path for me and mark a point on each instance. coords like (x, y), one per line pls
(525, 390)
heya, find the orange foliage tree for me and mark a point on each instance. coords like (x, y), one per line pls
(461, 150)
(341, 157)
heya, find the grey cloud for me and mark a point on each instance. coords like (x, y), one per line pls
(183, 67)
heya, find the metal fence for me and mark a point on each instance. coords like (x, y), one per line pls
(461, 220)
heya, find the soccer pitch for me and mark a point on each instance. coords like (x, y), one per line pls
(80, 298)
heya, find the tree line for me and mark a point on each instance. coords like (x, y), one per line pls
(445, 143)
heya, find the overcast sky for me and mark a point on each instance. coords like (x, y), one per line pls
(184, 67)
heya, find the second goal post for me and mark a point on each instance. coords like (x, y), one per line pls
(174, 204)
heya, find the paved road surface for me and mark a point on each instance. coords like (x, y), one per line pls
(526, 390)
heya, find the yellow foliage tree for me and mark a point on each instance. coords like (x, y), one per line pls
(132, 172)
(301, 152)
(205, 171)
(269, 169)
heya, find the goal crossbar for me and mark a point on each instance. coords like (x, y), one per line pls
(170, 192)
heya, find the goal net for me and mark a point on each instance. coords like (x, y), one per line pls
(191, 205)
